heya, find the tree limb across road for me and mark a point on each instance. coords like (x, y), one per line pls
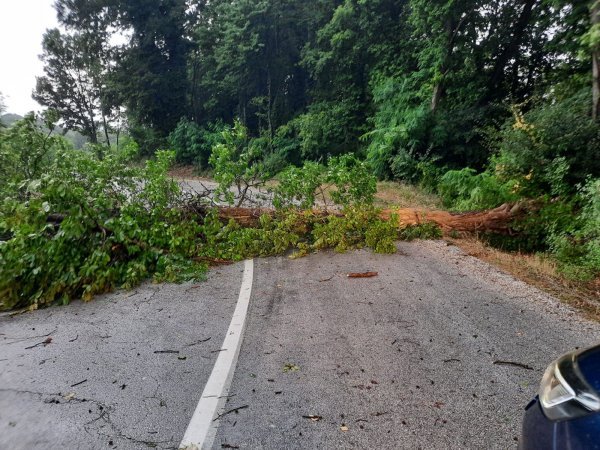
(498, 220)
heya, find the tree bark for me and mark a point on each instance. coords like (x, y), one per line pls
(498, 220)
(510, 49)
(595, 21)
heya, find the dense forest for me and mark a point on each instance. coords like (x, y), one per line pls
(397, 82)
(481, 102)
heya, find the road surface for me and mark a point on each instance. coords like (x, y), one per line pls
(439, 350)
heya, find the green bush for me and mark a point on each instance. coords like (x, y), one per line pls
(327, 129)
(551, 148)
(238, 163)
(26, 150)
(576, 244)
(465, 190)
(83, 226)
(401, 126)
(348, 181)
(193, 144)
(300, 186)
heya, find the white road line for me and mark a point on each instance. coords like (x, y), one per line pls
(202, 429)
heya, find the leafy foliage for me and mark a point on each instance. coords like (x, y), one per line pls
(577, 245)
(80, 226)
(466, 190)
(237, 162)
(193, 144)
(356, 228)
(345, 179)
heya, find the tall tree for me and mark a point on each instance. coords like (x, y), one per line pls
(2, 109)
(74, 83)
(149, 72)
(595, 47)
(246, 61)
(152, 73)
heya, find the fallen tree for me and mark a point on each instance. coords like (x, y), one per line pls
(498, 220)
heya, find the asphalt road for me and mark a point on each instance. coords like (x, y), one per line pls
(439, 350)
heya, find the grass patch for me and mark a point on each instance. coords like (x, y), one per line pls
(403, 195)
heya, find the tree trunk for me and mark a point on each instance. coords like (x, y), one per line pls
(105, 126)
(452, 30)
(498, 220)
(510, 50)
(595, 20)
(438, 89)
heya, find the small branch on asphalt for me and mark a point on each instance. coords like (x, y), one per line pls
(21, 339)
(166, 351)
(44, 343)
(199, 342)
(234, 410)
(512, 363)
(362, 275)
(80, 382)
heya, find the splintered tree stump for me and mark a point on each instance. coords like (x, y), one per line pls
(498, 220)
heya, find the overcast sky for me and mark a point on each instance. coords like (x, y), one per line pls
(22, 24)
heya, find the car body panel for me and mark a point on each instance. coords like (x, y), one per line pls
(582, 433)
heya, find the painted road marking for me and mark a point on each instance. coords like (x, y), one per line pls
(202, 429)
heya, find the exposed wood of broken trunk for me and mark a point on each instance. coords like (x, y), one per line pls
(497, 220)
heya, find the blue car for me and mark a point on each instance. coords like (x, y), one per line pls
(566, 412)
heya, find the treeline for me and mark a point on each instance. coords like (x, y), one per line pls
(482, 102)
(395, 80)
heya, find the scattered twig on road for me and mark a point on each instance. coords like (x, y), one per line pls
(45, 342)
(77, 384)
(229, 446)
(234, 410)
(21, 339)
(362, 274)
(512, 363)
(166, 351)
(313, 417)
(199, 342)
(74, 339)
(451, 360)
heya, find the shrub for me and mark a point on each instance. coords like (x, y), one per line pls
(193, 144)
(465, 190)
(348, 181)
(26, 150)
(237, 162)
(577, 245)
(328, 128)
(85, 226)
(300, 186)
(550, 148)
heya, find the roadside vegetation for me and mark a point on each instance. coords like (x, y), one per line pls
(76, 223)
(477, 104)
